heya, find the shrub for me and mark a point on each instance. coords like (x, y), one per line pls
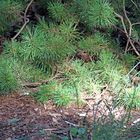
(130, 98)
(69, 31)
(93, 44)
(58, 11)
(82, 77)
(25, 72)
(9, 13)
(61, 12)
(15, 73)
(79, 79)
(61, 95)
(44, 48)
(48, 44)
(46, 92)
(8, 81)
(64, 95)
(95, 13)
(89, 78)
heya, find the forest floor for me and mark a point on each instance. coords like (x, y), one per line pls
(22, 118)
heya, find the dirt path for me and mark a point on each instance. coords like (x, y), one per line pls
(22, 118)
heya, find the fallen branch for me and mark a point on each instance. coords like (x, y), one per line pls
(36, 84)
(72, 124)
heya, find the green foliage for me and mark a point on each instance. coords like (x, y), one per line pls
(110, 68)
(49, 43)
(109, 60)
(69, 31)
(46, 92)
(82, 76)
(79, 133)
(130, 98)
(61, 12)
(101, 14)
(129, 60)
(43, 47)
(9, 13)
(15, 73)
(91, 78)
(58, 11)
(60, 94)
(79, 79)
(8, 82)
(112, 72)
(93, 44)
(135, 34)
(12, 49)
(26, 72)
(95, 13)
(64, 95)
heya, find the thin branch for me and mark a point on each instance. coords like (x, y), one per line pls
(125, 14)
(121, 18)
(26, 10)
(133, 69)
(130, 32)
(21, 29)
(75, 125)
(137, 23)
(134, 48)
(37, 84)
(130, 26)
(26, 21)
(127, 34)
(135, 5)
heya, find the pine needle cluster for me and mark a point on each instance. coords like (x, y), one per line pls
(8, 82)
(95, 13)
(47, 44)
(9, 13)
(93, 44)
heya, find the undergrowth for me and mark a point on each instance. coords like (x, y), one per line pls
(104, 127)
(9, 13)
(50, 48)
(78, 78)
(95, 13)
(8, 82)
(48, 51)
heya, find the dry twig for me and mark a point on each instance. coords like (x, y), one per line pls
(128, 33)
(26, 21)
